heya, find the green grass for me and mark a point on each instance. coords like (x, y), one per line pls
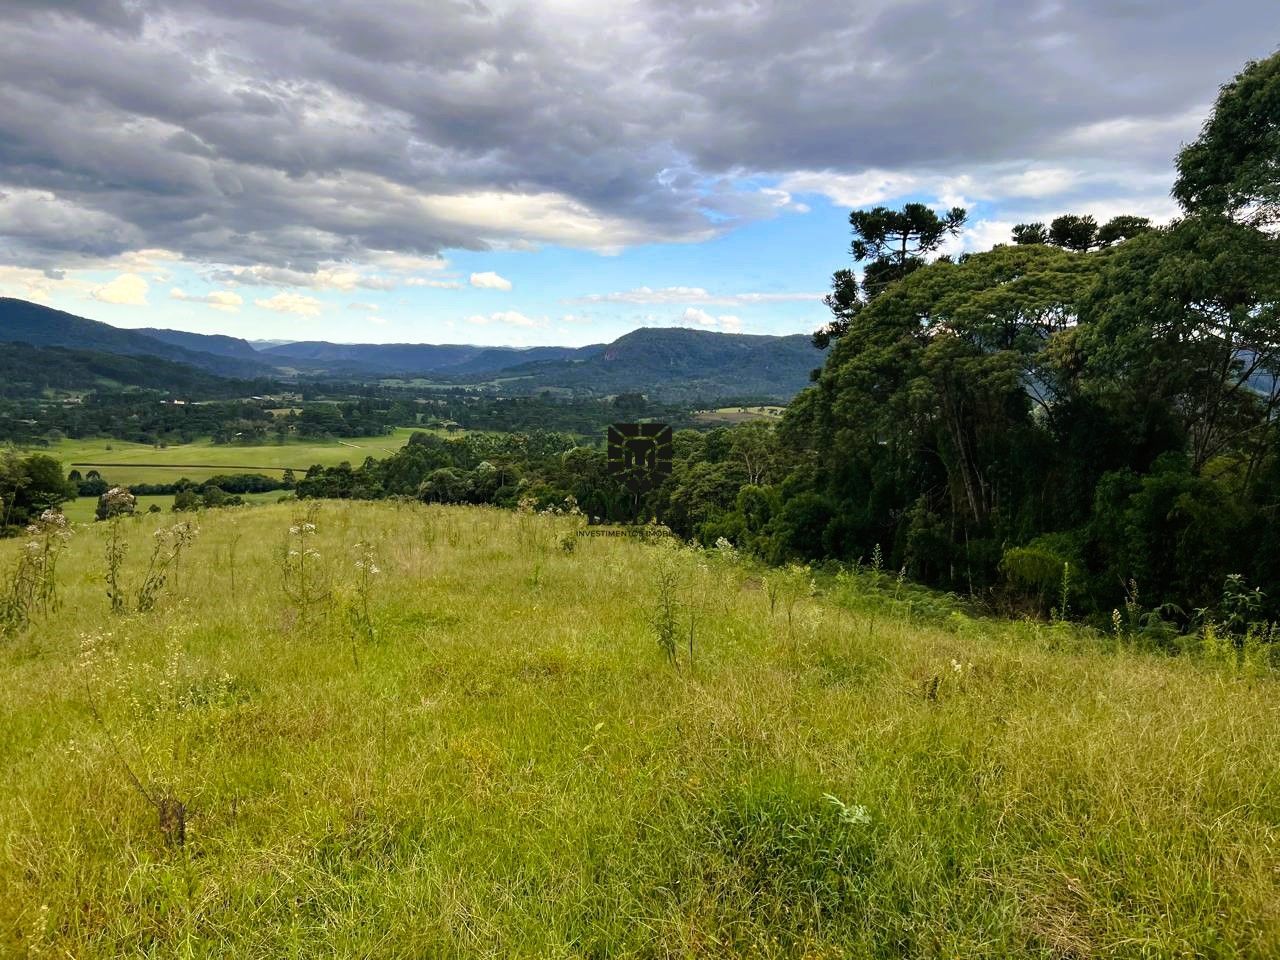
(223, 457)
(733, 415)
(81, 509)
(510, 767)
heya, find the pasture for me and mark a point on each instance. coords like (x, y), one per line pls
(131, 463)
(418, 731)
(81, 509)
(733, 415)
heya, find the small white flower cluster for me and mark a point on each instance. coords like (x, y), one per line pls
(99, 664)
(47, 535)
(726, 549)
(50, 524)
(51, 521)
(365, 561)
(119, 498)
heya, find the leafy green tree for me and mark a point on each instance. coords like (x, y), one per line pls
(1028, 233)
(1177, 535)
(445, 485)
(213, 496)
(29, 486)
(844, 301)
(934, 393)
(893, 243)
(755, 446)
(1233, 168)
(1073, 232)
(1078, 233)
(1189, 318)
(185, 501)
(1120, 228)
(901, 236)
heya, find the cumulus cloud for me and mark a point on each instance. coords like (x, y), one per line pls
(428, 282)
(700, 318)
(490, 281)
(28, 284)
(295, 303)
(223, 300)
(693, 295)
(128, 288)
(507, 318)
(321, 278)
(1010, 186)
(323, 139)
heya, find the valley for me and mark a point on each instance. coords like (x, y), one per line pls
(646, 481)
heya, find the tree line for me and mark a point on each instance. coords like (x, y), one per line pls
(1085, 415)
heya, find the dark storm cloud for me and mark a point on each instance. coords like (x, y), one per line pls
(293, 133)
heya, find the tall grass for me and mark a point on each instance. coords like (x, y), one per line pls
(510, 767)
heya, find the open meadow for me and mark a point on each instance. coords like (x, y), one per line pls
(439, 732)
(732, 415)
(131, 463)
(82, 509)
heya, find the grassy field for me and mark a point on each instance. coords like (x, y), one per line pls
(731, 415)
(486, 753)
(81, 509)
(165, 465)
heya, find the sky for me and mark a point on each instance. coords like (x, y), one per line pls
(561, 172)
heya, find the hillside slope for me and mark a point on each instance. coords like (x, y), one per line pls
(26, 371)
(411, 359)
(217, 344)
(24, 322)
(679, 364)
(452, 737)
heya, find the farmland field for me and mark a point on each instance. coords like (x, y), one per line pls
(453, 736)
(165, 465)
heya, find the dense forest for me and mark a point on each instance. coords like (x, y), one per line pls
(1088, 413)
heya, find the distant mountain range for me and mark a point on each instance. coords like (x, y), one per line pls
(667, 363)
(40, 326)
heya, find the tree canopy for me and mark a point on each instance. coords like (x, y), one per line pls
(1233, 167)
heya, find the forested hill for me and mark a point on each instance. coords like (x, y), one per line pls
(27, 371)
(24, 322)
(669, 363)
(390, 359)
(215, 343)
(679, 364)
